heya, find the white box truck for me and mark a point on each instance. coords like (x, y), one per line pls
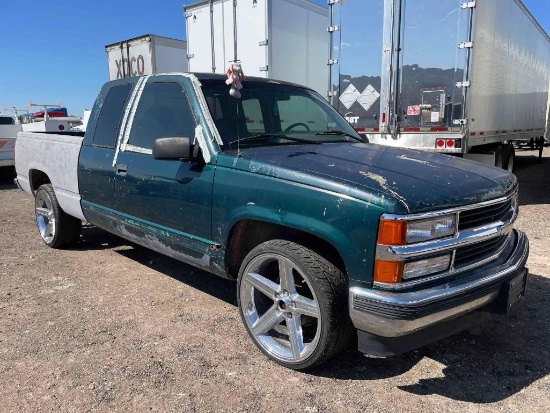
(146, 55)
(467, 78)
(277, 39)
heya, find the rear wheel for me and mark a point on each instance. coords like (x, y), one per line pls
(293, 304)
(56, 228)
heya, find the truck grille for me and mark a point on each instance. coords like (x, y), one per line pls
(479, 251)
(478, 241)
(478, 217)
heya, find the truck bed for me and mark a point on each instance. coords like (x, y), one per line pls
(56, 155)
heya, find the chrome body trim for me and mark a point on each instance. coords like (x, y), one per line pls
(442, 246)
(417, 140)
(429, 300)
(16, 182)
(432, 214)
(413, 282)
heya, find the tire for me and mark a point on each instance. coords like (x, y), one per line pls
(509, 158)
(301, 319)
(56, 228)
(540, 148)
(499, 157)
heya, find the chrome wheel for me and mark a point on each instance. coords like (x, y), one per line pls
(280, 308)
(45, 217)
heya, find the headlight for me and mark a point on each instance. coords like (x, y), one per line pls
(397, 271)
(440, 227)
(401, 232)
(426, 266)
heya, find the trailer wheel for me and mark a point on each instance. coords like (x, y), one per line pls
(499, 157)
(540, 147)
(57, 229)
(509, 156)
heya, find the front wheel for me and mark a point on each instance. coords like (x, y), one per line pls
(57, 229)
(294, 304)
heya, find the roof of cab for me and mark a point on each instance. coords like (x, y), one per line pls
(209, 76)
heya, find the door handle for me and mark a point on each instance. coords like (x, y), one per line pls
(121, 169)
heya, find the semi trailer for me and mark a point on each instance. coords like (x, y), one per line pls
(464, 78)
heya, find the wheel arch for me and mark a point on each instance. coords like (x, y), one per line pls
(246, 234)
(38, 178)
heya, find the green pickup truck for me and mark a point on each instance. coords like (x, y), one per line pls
(329, 238)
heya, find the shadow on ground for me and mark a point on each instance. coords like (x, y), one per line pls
(7, 173)
(485, 364)
(94, 238)
(533, 178)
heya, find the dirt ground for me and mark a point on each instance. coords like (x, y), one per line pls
(111, 326)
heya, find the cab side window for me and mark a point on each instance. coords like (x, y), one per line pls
(108, 122)
(163, 111)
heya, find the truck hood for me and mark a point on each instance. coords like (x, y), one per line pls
(401, 181)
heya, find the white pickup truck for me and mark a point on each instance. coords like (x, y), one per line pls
(8, 133)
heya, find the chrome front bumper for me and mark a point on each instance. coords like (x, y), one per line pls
(395, 314)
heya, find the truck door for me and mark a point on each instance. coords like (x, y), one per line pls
(170, 197)
(96, 174)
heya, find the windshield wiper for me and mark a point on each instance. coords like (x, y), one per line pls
(340, 133)
(273, 135)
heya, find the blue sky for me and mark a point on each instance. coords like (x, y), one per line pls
(54, 52)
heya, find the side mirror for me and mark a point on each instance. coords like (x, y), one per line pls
(173, 148)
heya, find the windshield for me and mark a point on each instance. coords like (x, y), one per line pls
(274, 114)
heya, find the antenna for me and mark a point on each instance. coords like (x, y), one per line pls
(213, 49)
(235, 30)
(238, 131)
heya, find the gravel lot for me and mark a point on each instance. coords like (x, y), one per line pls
(111, 326)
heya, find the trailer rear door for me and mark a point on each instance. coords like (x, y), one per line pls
(399, 61)
(358, 48)
(431, 63)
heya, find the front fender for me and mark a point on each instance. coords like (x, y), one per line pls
(349, 224)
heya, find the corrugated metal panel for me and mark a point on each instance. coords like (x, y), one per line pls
(510, 69)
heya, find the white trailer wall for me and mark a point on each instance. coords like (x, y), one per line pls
(510, 71)
(252, 28)
(282, 39)
(299, 49)
(146, 55)
(169, 55)
(138, 53)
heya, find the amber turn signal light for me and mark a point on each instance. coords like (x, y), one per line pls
(388, 271)
(392, 232)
